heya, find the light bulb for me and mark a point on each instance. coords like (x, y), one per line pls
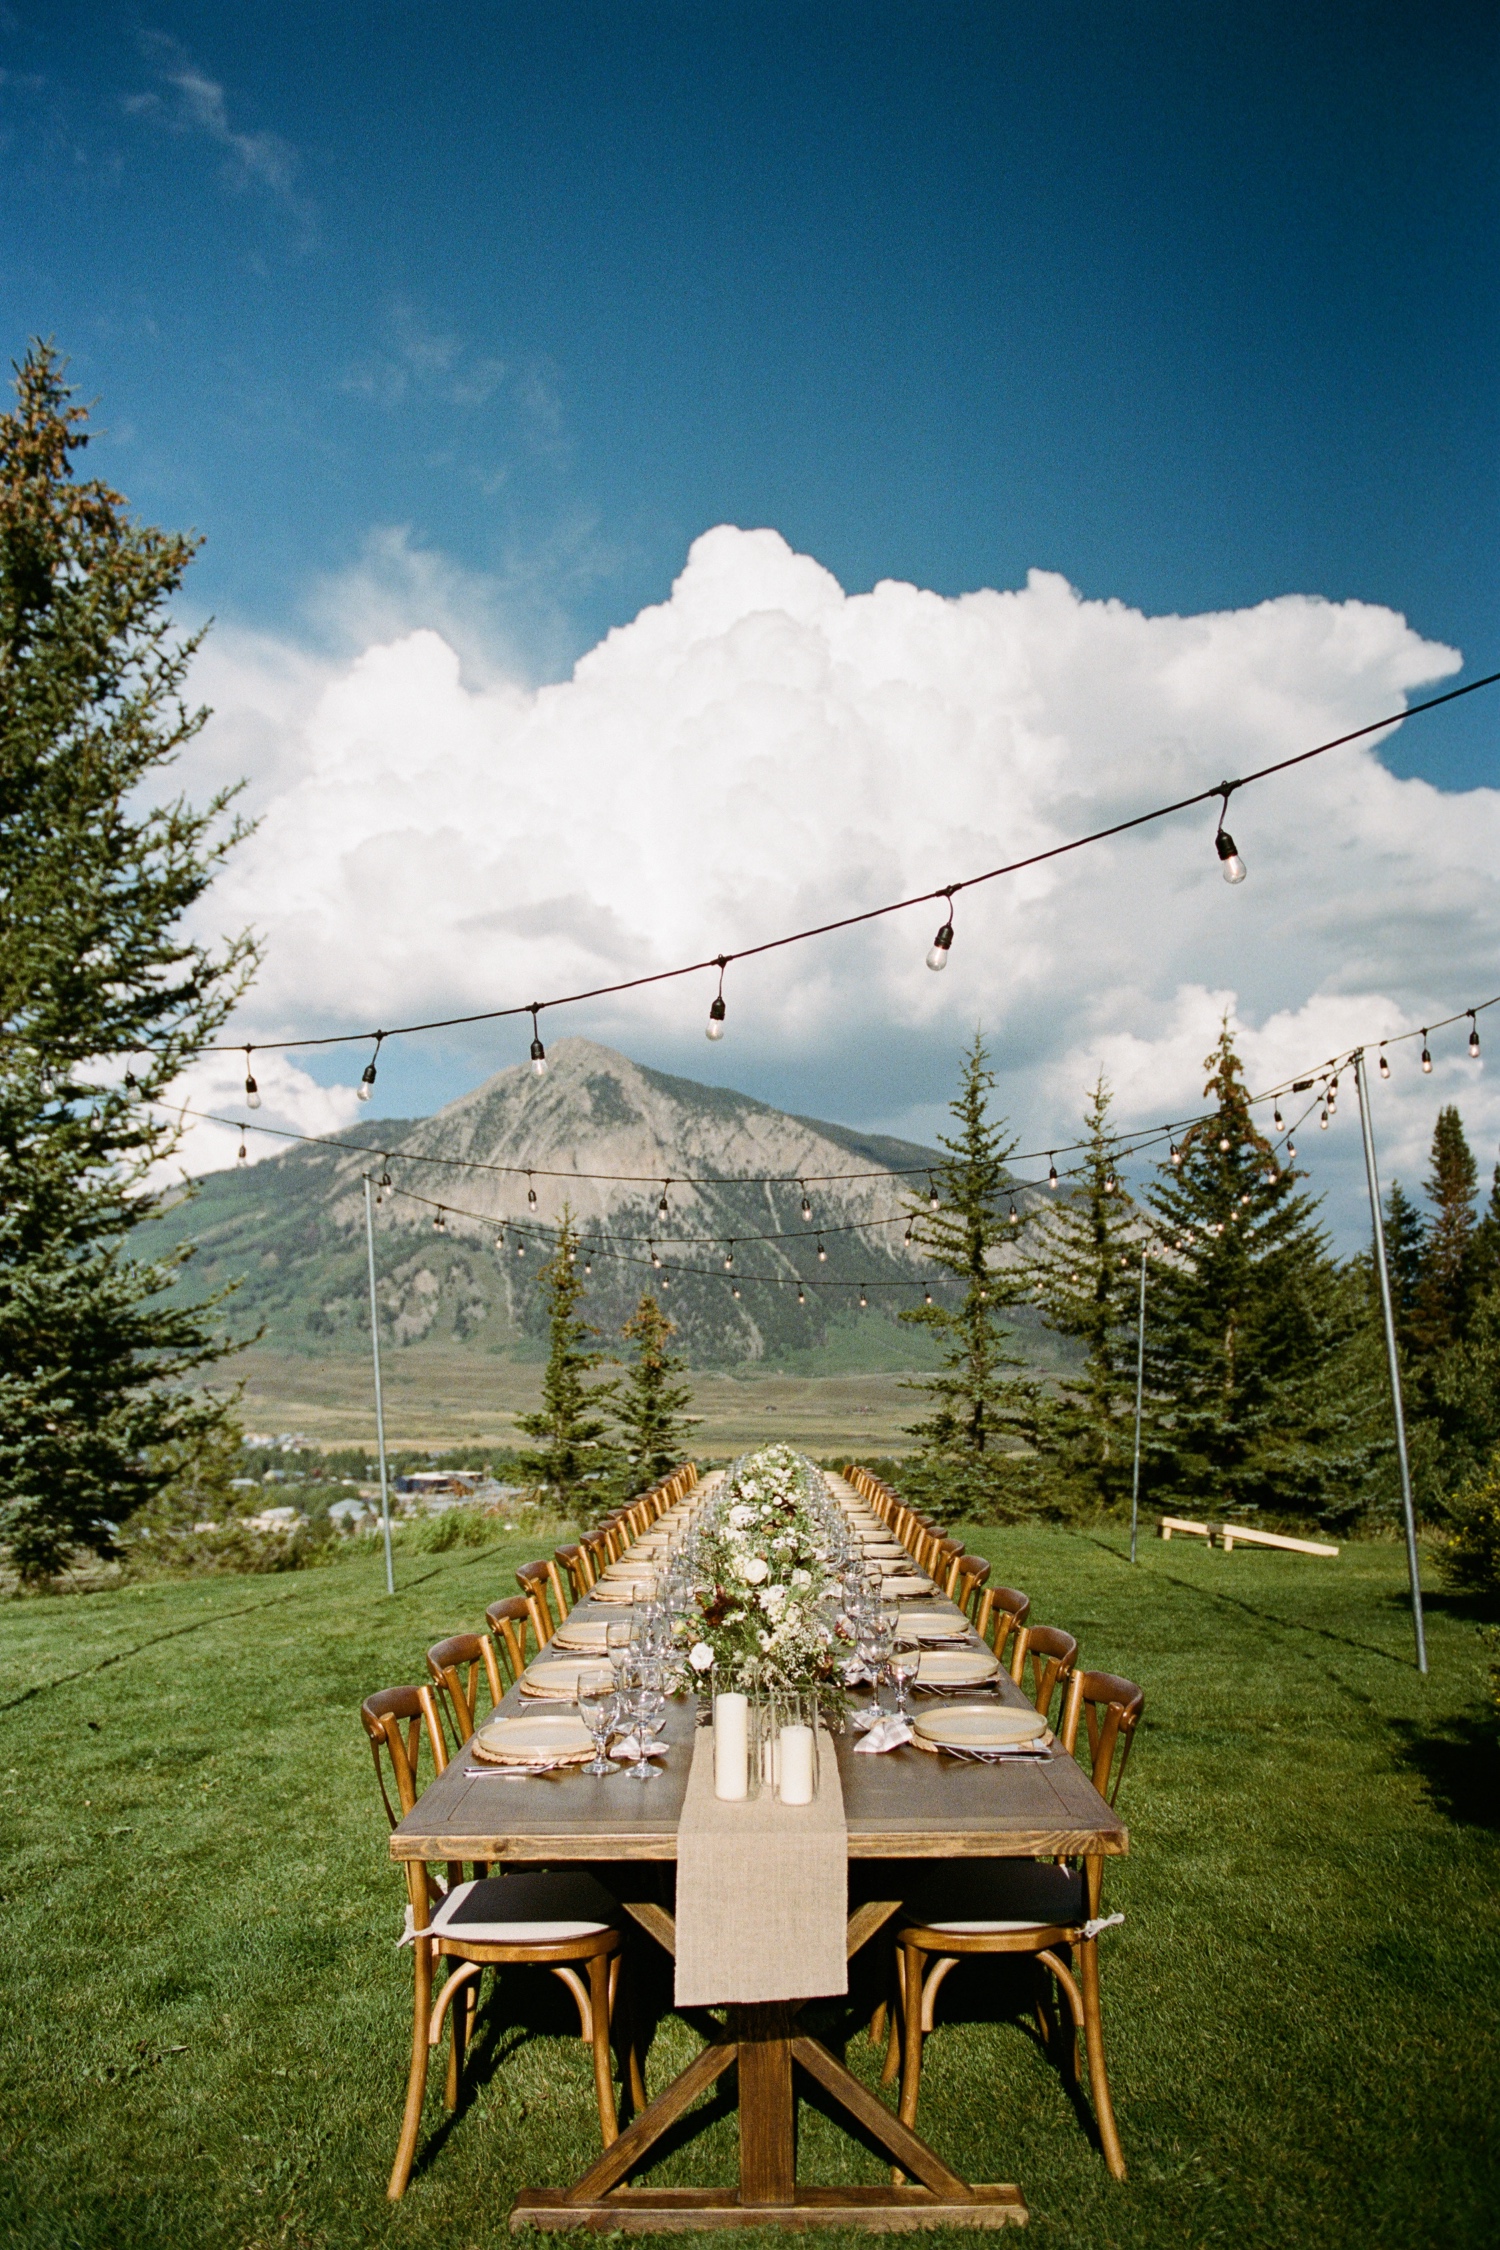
(440, 1222)
(1051, 1174)
(1291, 1148)
(1473, 1037)
(822, 1253)
(385, 1177)
(661, 1208)
(927, 1296)
(863, 1300)
(806, 1206)
(932, 1197)
(243, 1156)
(1174, 1153)
(1384, 1066)
(588, 1267)
(666, 1279)
(1015, 1216)
(1323, 1120)
(1225, 1144)
(937, 952)
(500, 1241)
(366, 1085)
(1271, 1175)
(1276, 1117)
(521, 1249)
(734, 1292)
(531, 1196)
(1233, 867)
(1426, 1052)
(715, 1028)
(654, 1258)
(539, 1058)
(1109, 1183)
(252, 1093)
(801, 1294)
(729, 1259)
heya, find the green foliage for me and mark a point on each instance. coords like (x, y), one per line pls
(575, 1458)
(966, 1463)
(1083, 1256)
(1249, 1324)
(95, 878)
(1470, 1555)
(651, 1403)
(1443, 1288)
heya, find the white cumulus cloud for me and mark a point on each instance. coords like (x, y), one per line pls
(763, 751)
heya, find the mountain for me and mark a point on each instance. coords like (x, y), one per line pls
(290, 1230)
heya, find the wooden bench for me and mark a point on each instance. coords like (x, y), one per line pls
(1231, 1535)
(1169, 1524)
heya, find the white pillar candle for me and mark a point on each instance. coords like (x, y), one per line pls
(796, 1746)
(731, 1746)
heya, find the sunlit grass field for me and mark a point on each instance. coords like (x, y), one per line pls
(206, 2021)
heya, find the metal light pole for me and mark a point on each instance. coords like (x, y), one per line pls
(1140, 1384)
(1378, 1228)
(385, 1497)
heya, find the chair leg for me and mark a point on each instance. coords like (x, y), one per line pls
(416, 2084)
(896, 2011)
(458, 2028)
(877, 2025)
(1104, 2108)
(604, 2083)
(911, 2034)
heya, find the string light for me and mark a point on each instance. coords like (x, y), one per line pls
(863, 1300)
(385, 1177)
(1473, 1037)
(500, 1243)
(1276, 1113)
(530, 1192)
(729, 1259)
(1174, 1154)
(1323, 1120)
(588, 1267)
(244, 1155)
(906, 1238)
(801, 1294)
(520, 1246)
(927, 1296)
(1109, 1183)
(1383, 1065)
(1426, 1053)
(932, 1194)
(1225, 1144)
(806, 1204)
(937, 952)
(252, 1091)
(366, 1085)
(734, 1292)
(440, 1222)
(716, 1005)
(661, 1208)
(1015, 1216)
(1291, 1148)
(822, 1252)
(654, 1258)
(538, 1051)
(1231, 865)
(1051, 1172)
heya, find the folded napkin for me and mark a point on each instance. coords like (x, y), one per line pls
(886, 1733)
(631, 1746)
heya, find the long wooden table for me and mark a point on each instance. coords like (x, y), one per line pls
(900, 1805)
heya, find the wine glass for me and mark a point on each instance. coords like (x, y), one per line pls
(905, 1657)
(597, 1707)
(648, 1717)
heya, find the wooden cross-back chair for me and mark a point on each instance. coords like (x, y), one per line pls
(564, 1922)
(560, 1580)
(968, 1907)
(595, 1550)
(1002, 1611)
(576, 1563)
(533, 1580)
(948, 1556)
(454, 1666)
(1048, 1655)
(507, 1620)
(973, 1570)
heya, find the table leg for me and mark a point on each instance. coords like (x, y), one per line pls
(768, 2140)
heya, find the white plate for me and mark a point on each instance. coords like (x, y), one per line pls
(901, 1585)
(924, 1626)
(618, 1589)
(529, 1741)
(585, 1633)
(884, 1550)
(559, 1676)
(955, 1667)
(978, 1727)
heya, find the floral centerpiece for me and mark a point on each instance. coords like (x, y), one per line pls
(762, 1611)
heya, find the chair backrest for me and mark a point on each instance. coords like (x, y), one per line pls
(1113, 1708)
(575, 1562)
(949, 1556)
(1049, 1654)
(382, 1715)
(1003, 1610)
(532, 1580)
(594, 1548)
(508, 1619)
(455, 1665)
(560, 1580)
(973, 1570)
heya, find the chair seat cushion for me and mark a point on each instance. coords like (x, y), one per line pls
(991, 1898)
(526, 1908)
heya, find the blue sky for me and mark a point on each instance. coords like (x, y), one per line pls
(1193, 305)
(477, 317)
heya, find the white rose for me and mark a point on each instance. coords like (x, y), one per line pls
(701, 1656)
(753, 1569)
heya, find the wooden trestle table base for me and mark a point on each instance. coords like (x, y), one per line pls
(901, 1806)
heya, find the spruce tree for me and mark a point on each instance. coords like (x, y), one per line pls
(1442, 1295)
(966, 1463)
(102, 1000)
(1247, 1319)
(575, 1458)
(1405, 1246)
(652, 1403)
(1083, 1256)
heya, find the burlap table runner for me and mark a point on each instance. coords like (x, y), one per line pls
(762, 1891)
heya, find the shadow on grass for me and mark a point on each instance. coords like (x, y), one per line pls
(1459, 1762)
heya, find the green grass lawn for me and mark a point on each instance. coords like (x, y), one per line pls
(207, 2023)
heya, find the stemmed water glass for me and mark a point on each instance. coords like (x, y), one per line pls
(905, 1657)
(598, 1707)
(875, 1647)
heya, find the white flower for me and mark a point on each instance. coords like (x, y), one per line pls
(801, 1579)
(754, 1568)
(772, 1598)
(765, 1642)
(740, 1516)
(701, 1656)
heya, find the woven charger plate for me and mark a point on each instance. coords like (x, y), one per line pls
(977, 1727)
(618, 1589)
(587, 1633)
(902, 1585)
(529, 1742)
(923, 1625)
(955, 1667)
(558, 1677)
